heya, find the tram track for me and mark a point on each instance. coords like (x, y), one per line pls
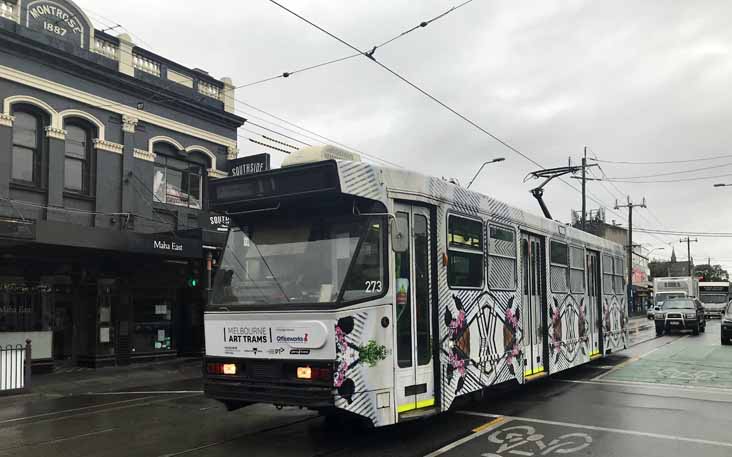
(84, 411)
(237, 437)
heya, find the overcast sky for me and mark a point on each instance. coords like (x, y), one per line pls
(634, 81)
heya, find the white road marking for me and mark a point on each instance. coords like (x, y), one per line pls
(635, 359)
(604, 429)
(480, 431)
(148, 392)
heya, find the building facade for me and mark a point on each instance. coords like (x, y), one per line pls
(105, 153)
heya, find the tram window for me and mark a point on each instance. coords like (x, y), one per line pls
(501, 259)
(403, 303)
(607, 275)
(560, 267)
(619, 278)
(525, 261)
(465, 252)
(366, 278)
(422, 289)
(577, 269)
(465, 233)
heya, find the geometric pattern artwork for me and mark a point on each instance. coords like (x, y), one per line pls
(480, 335)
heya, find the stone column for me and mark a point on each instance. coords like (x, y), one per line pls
(228, 96)
(126, 61)
(56, 170)
(129, 124)
(6, 148)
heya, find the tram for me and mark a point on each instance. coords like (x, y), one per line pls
(349, 287)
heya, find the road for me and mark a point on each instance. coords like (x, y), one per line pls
(614, 407)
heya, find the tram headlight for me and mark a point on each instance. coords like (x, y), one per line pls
(229, 368)
(304, 373)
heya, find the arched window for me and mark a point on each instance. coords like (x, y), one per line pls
(27, 146)
(176, 181)
(77, 163)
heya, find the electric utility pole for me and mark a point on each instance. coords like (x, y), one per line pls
(630, 205)
(584, 190)
(688, 242)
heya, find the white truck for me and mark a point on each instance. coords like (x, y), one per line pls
(714, 297)
(674, 287)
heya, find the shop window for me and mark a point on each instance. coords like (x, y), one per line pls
(26, 307)
(153, 331)
(27, 146)
(77, 168)
(177, 182)
(559, 274)
(465, 253)
(501, 258)
(577, 270)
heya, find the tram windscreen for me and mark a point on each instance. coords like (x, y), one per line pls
(301, 258)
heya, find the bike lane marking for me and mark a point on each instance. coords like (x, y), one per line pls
(635, 359)
(477, 432)
(603, 429)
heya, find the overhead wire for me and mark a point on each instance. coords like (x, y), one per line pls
(159, 96)
(665, 162)
(370, 53)
(431, 97)
(670, 173)
(622, 194)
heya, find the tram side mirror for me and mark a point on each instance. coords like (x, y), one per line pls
(399, 235)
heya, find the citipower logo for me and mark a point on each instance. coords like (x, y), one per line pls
(293, 339)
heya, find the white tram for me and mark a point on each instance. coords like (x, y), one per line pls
(350, 287)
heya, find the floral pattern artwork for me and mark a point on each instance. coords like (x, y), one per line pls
(583, 324)
(511, 343)
(349, 355)
(556, 334)
(459, 356)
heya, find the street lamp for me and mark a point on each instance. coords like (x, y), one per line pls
(722, 185)
(499, 159)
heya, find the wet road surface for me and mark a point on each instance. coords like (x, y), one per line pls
(604, 409)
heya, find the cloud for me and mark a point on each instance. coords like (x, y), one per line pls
(636, 81)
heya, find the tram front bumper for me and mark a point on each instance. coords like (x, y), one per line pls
(267, 381)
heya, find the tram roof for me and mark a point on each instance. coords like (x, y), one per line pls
(387, 184)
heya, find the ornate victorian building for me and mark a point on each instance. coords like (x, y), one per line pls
(105, 152)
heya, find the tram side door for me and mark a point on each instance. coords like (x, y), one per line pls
(594, 307)
(534, 309)
(414, 368)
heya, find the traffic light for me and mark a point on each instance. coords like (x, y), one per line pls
(192, 282)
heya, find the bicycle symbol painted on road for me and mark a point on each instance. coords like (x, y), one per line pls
(524, 441)
(696, 376)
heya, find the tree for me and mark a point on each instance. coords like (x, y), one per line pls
(711, 273)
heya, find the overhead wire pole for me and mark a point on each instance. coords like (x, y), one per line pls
(630, 205)
(688, 242)
(584, 189)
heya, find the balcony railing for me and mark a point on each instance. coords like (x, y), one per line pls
(106, 48)
(147, 65)
(8, 9)
(209, 90)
